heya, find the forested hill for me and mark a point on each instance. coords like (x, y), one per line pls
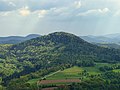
(50, 51)
(62, 47)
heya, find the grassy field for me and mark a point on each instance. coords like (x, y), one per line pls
(95, 70)
(73, 72)
(70, 73)
(116, 70)
(37, 79)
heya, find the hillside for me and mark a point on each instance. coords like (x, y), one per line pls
(59, 47)
(42, 55)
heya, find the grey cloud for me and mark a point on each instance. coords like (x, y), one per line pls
(44, 16)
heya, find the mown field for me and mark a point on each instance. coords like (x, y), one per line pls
(74, 72)
(70, 73)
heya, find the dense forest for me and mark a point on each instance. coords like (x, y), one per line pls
(42, 55)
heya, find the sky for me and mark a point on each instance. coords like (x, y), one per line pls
(80, 17)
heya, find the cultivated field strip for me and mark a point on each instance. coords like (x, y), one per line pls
(59, 81)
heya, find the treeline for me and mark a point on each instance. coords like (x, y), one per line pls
(109, 67)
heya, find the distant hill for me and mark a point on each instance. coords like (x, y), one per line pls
(116, 35)
(16, 39)
(110, 38)
(108, 45)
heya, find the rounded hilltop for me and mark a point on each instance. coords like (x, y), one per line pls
(63, 37)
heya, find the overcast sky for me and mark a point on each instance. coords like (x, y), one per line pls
(81, 17)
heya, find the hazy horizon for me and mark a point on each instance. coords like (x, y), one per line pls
(80, 17)
(59, 31)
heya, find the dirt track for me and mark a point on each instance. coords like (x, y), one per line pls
(59, 81)
(51, 88)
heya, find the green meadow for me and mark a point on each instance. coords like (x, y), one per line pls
(74, 73)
